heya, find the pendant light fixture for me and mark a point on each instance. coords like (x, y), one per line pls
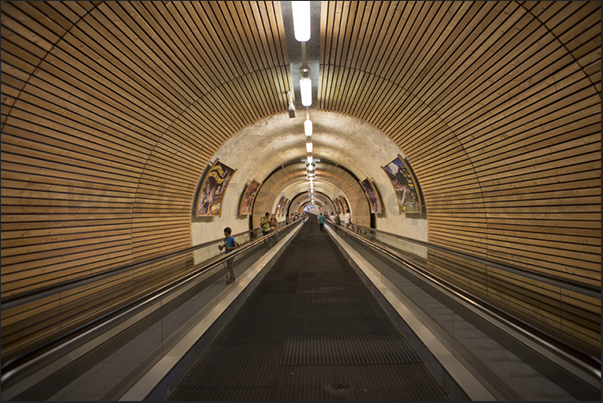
(305, 86)
(308, 127)
(301, 20)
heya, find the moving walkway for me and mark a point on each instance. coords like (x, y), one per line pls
(356, 314)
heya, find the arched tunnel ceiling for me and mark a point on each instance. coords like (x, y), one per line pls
(270, 143)
(293, 175)
(112, 110)
(136, 97)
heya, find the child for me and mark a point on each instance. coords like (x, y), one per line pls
(229, 245)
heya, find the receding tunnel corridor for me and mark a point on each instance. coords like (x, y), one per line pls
(464, 135)
(311, 330)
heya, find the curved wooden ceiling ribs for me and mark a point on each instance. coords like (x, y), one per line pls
(135, 99)
(107, 129)
(110, 112)
(475, 94)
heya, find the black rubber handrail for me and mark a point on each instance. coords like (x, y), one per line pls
(568, 284)
(28, 296)
(17, 364)
(582, 359)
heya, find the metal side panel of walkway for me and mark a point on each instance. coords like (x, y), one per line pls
(311, 330)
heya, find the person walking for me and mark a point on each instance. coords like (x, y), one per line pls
(273, 223)
(321, 221)
(347, 222)
(332, 219)
(265, 224)
(229, 245)
(348, 219)
(274, 226)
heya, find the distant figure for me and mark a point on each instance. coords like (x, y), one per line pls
(274, 227)
(337, 220)
(273, 223)
(321, 221)
(332, 217)
(265, 224)
(229, 245)
(348, 219)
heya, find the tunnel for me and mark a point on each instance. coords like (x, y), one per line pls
(116, 117)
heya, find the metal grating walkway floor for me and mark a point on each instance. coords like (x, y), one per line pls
(310, 331)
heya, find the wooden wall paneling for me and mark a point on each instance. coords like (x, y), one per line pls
(459, 271)
(121, 45)
(171, 47)
(497, 105)
(93, 139)
(27, 16)
(321, 67)
(481, 110)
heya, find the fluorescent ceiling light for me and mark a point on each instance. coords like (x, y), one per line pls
(310, 159)
(305, 87)
(309, 147)
(310, 167)
(308, 127)
(301, 20)
(291, 105)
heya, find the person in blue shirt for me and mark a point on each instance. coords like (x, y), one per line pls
(321, 221)
(229, 245)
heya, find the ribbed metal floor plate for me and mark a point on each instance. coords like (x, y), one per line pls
(359, 382)
(225, 394)
(311, 330)
(342, 327)
(241, 364)
(355, 351)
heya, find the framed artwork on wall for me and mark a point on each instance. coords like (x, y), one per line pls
(211, 195)
(280, 204)
(405, 186)
(372, 195)
(283, 209)
(287, 203)
(249, 197)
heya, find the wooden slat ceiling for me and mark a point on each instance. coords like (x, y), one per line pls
(110, 122)
(111, 110)
(497, 107)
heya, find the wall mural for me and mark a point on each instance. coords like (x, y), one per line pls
(287, 203)
(372, 195)
(249, 197)
(405, 185)
(209, 202)
(280, 204)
